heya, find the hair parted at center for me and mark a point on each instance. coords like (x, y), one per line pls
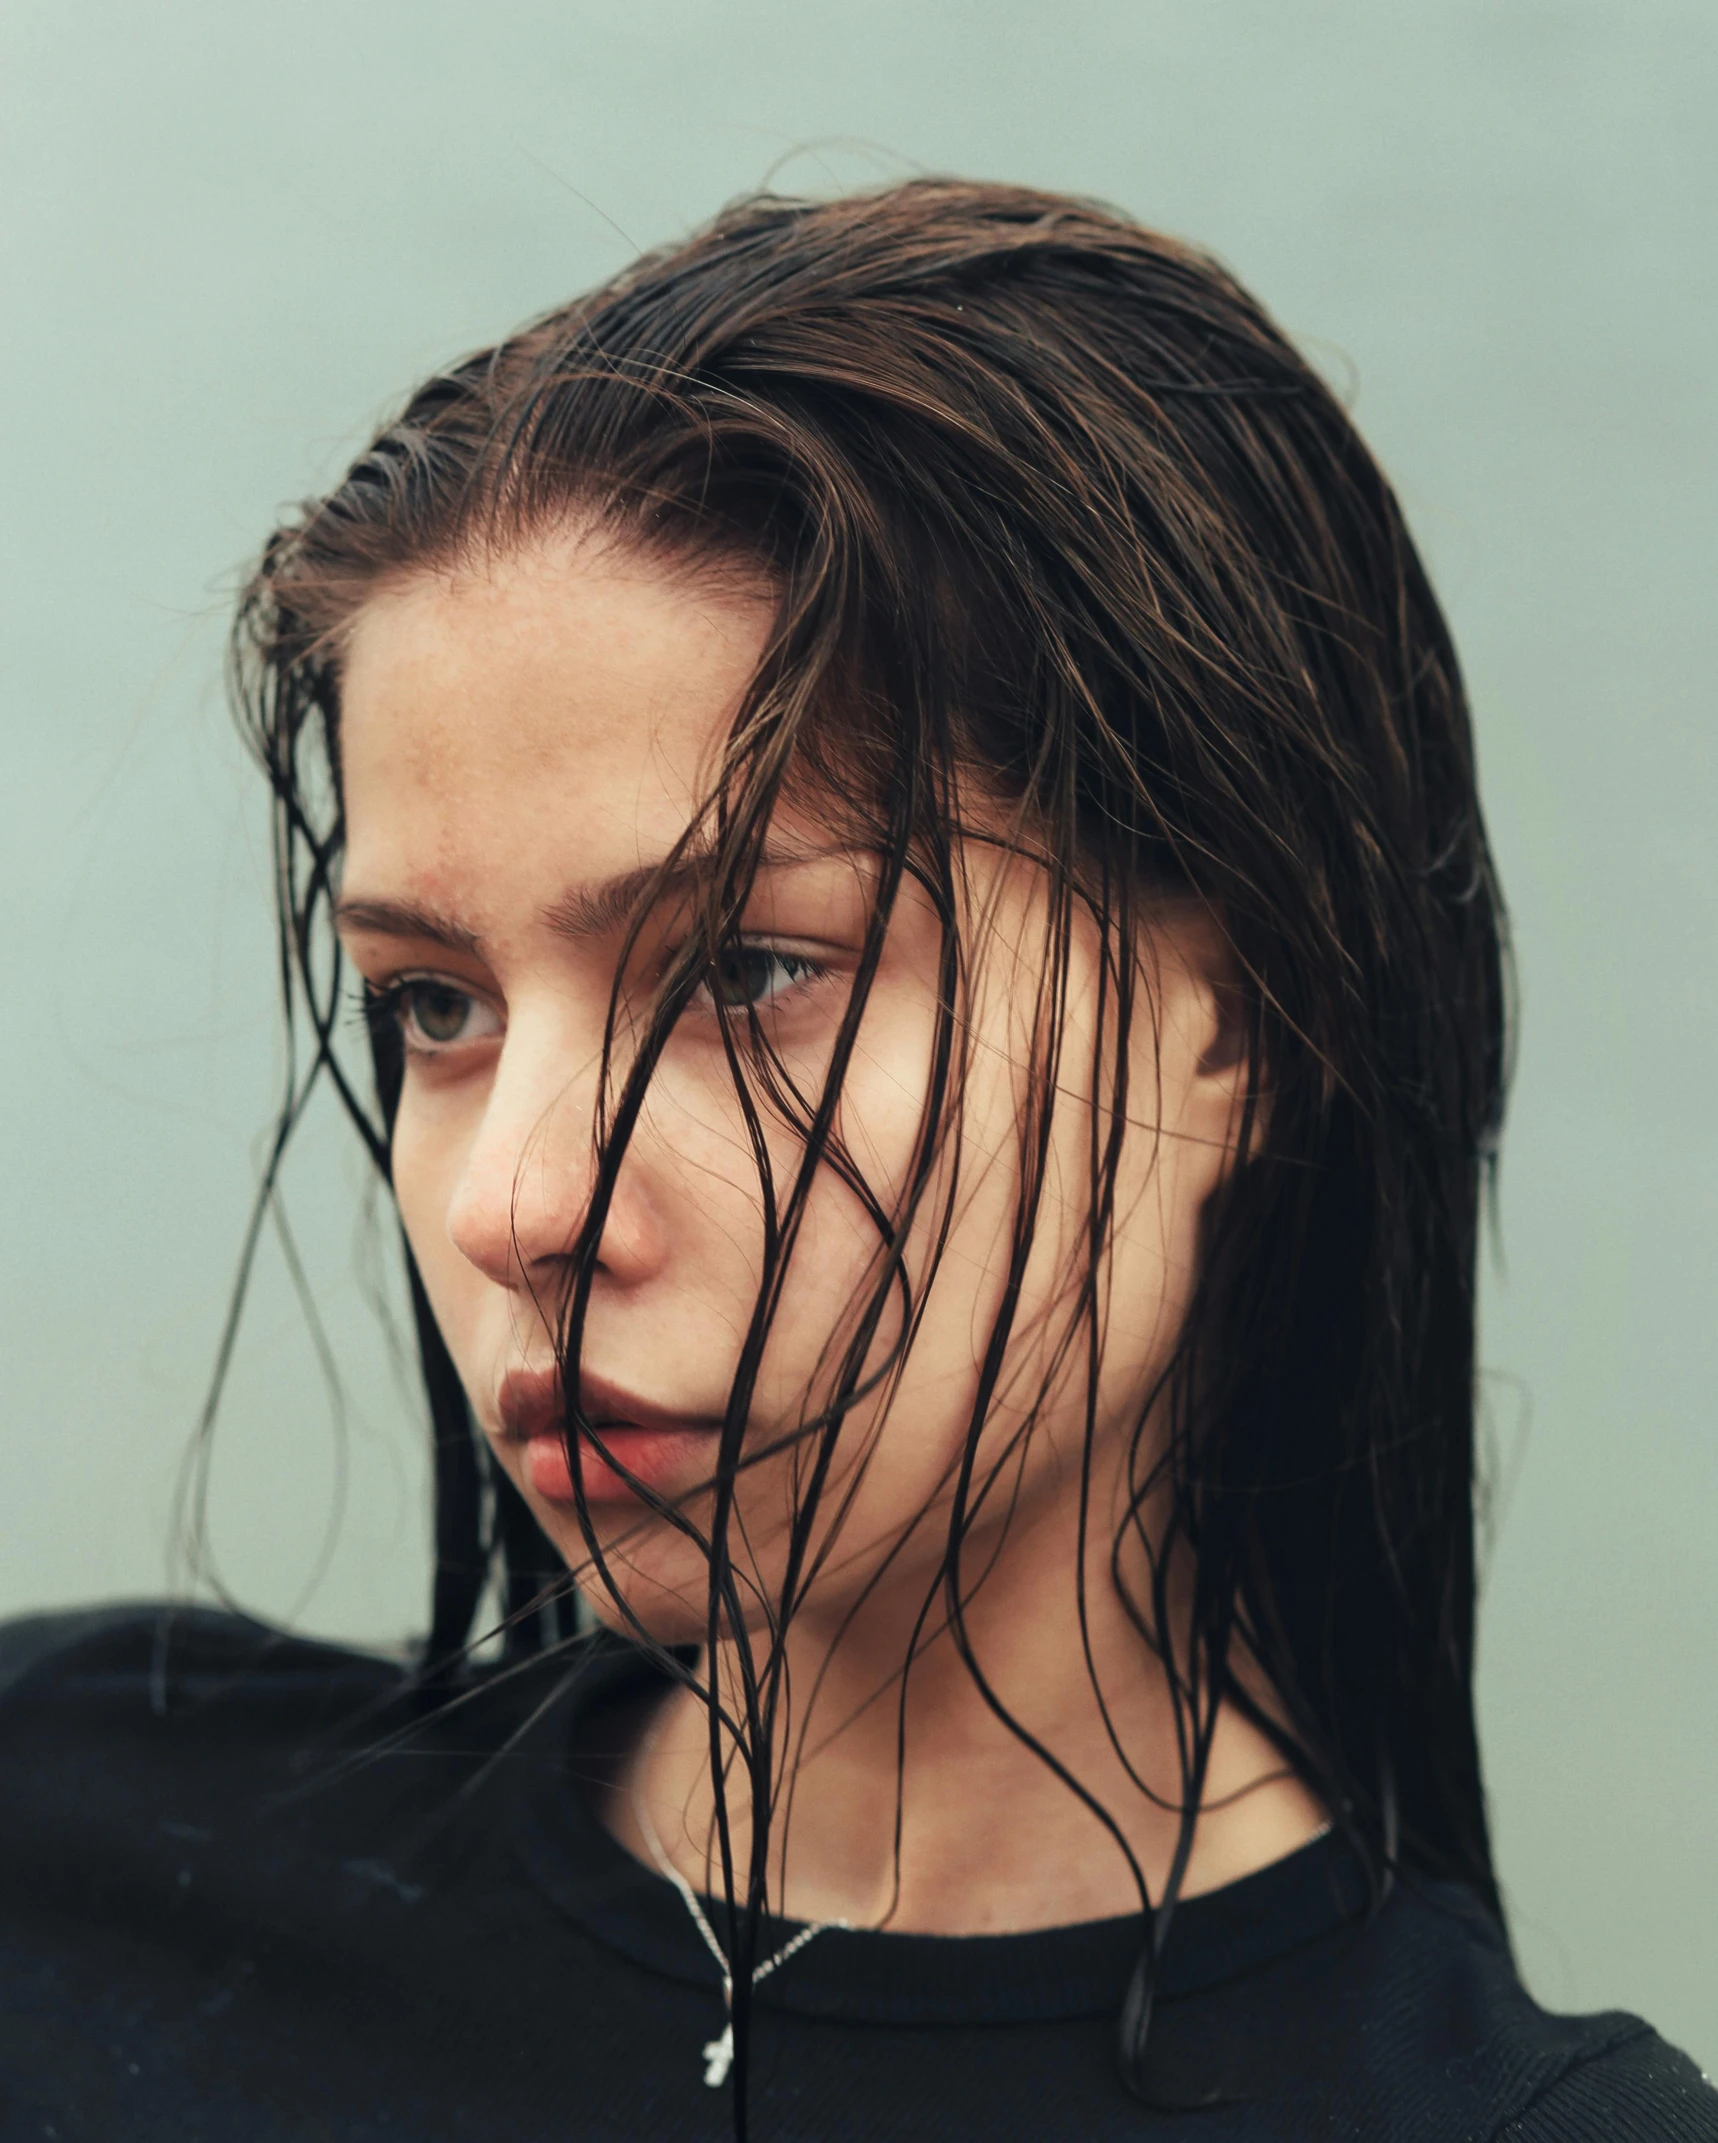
(1046, 502)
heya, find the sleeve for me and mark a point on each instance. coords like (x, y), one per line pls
(1639, 2091)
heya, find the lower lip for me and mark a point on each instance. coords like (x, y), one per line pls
(666, 1460)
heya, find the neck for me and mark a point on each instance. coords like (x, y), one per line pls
(924, 1812)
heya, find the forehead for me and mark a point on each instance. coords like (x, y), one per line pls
(568, 685)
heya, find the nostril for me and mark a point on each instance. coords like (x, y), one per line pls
(510, 1219)
(516, 1208)
(481, 1231)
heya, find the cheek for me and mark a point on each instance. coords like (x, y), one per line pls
(1149, 1272)
(955, 1280)
(878, 1132)
(1149, 1263)
(1153, 1261)
(427, 1151)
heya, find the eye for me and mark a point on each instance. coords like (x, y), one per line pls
(432, 1015)
(744, 974)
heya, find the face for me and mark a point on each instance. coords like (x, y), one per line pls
(522, 743)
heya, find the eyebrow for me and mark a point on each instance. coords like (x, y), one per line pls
(407, 919)
(581, 913)
(596, 911)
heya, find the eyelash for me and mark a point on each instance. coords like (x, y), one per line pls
(377, 1009)
(383, 1006)
(803, 971)
(384, 1010)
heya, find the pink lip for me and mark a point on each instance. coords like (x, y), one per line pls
(663, 1450)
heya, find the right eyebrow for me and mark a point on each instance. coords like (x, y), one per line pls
(586, 911)
(582, 912)
(406, 919)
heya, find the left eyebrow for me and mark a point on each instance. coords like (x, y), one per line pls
(598, 910)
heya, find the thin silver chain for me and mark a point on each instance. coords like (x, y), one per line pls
(718, 2053)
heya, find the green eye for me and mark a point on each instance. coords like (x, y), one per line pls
(754, 974)
(439, 1014)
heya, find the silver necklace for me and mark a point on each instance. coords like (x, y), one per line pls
(718, 2053)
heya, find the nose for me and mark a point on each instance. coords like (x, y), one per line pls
(525, 1190)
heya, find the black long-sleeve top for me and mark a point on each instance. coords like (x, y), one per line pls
(249, 1894)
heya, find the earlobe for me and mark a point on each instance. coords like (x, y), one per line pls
(1192, 936)
(1229, 1049)
(1227, 1068)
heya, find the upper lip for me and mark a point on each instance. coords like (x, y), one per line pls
(531, 1403)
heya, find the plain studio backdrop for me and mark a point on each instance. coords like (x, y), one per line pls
(234, 234)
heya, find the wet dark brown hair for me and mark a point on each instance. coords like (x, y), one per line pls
(1047, 500)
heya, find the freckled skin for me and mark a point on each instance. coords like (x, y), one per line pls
(520, 733)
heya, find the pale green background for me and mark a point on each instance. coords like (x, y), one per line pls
(233, 232)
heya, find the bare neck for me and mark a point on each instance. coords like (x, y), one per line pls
(990, 1839)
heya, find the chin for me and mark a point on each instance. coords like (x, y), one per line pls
(665, 1595)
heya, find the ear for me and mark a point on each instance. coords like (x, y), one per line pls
(1205, 992)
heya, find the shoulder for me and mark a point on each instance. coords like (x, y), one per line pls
(120, 1634)
(1523, 2074)
(121, 1704)
(1413, 2021)
(1632, 2089)
(266, 1876)
(119, 1719)
(172, 1676)
(165, 1769)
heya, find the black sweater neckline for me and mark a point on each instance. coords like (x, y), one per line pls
(862, 1976)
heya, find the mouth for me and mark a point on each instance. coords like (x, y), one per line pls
(625, 1435)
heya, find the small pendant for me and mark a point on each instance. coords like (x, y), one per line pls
(719, 2058)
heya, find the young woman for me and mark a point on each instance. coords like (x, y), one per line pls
(904, 817)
